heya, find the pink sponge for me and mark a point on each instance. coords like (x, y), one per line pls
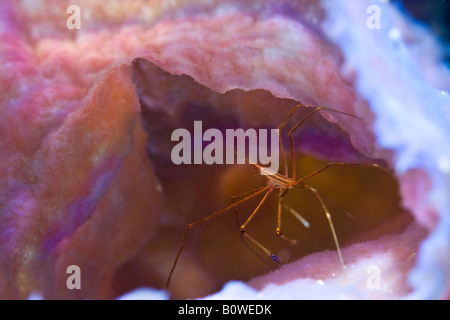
(79, 188)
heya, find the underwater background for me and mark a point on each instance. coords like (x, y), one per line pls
(434, 14)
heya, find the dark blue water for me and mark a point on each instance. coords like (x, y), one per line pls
(435, 14)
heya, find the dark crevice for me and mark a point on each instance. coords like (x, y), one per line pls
(362, 199)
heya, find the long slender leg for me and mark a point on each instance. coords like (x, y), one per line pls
(211, 216)
(342, 164)
(236, 198)
(291, 141)
(297, 215)
(257, 208)
(253, 240)
(278, 230)
(264, 249)
(283, 153)
(283, 150)
(328, 215)
(300, 183)
(246, 194)
(250, 238)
